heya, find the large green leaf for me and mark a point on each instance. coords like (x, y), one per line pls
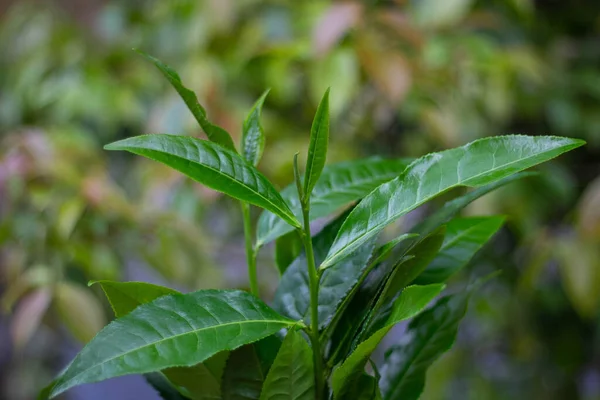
(431, 334)
(247, 369)
(464, 238)
(412, 300)
(339, 184)
(291, 376)
(253, 136)
(213, 132)
(317, 148)
(199, 382)
(174, 330)
(292, 295)
(475, 164)
(211, 165)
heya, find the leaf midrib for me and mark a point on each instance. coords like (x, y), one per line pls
(195, 331)
(465, 232)
(461, 183)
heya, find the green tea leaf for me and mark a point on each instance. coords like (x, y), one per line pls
(292, 295)
(339, 185)
(213, 132)
(317, 148)
(253, 137)
(291, 376)
(365, 387)
(247, 369)
(163, 387)
(174, 330)
(211, 165)
(464, 238)
(431, 334)
(475, 164)
(124, 297)
(287, 248)
(412, 300)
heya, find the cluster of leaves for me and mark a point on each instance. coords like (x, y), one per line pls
(344, 291)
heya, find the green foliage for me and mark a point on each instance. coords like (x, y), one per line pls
(343, 291)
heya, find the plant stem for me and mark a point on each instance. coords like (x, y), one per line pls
(250, 252)
(314, 303)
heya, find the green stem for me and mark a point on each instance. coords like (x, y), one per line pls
(314, 303)
(250, 252)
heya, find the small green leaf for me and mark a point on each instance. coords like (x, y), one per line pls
(464, 238)
(287, 248)
(163, 387)
(317, 148)
(174, 330)
(412, 300)
(124, 297)
(365, 387)
(291, 376)
(253, 137)
(247, 369)
(211, 165)
(215, 133)
(431, 334)
(339, 185)
(476, 164)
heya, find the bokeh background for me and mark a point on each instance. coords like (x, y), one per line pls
(407, 77)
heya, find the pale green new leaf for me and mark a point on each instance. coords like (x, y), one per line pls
(431, 334)
(464, 238)
(412, 300)
(476, 164)
(253, 136)
(174, 330)
(317, 147)
(213, 132)
(339, 185)
(211, 165)
(291, 376)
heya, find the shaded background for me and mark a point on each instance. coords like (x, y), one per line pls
(407, 77)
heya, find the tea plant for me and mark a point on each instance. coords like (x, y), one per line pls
(340, 291)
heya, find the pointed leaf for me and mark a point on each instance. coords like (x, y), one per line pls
(412, 300)
(174, 330)
(211, 165)
(464, 238)
(247, 369)
(215, 133)
(339, 185)
(431, 334)
(291, 377)
(475, 164)
(317, 148)
(292, 295)
(253, 137)
(124, 297)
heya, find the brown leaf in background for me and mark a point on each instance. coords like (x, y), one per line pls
(334, 24)
(28, 316)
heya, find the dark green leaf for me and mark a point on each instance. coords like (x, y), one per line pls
(247, 369)
(174, 330)
(317, 148)
(339, 184)
(431, 334)
(412, 300)
(125, 297)
(211, 165)
(253, 137)
(476, 164)
(215, 133)
(365, 387)
(291, 376)
(287, 248)
(163, 387)
(464, 238)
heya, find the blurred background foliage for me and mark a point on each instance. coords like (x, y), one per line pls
(407, 77)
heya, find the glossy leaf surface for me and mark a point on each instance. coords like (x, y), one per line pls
(291, 376)
(475, 164)
(211, 165)
(339, 185)
(431, 334)
(253, 136)
(412, 300)
(174, 330)
(317, 147)
(464, 238)
(213, 132)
